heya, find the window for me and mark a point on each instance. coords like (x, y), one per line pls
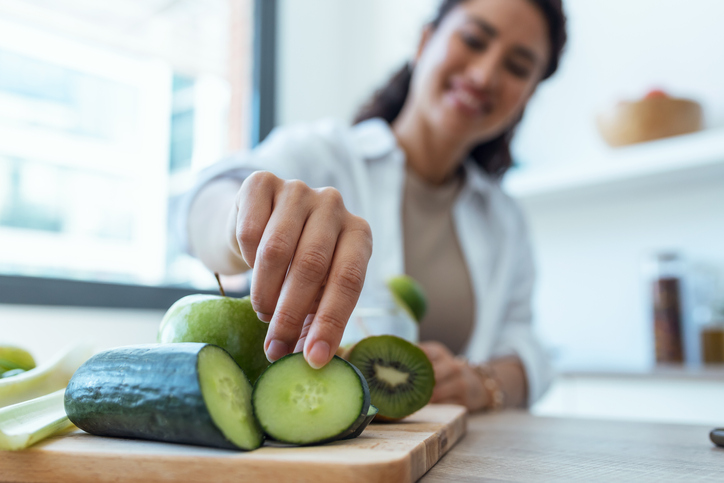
(107, 110)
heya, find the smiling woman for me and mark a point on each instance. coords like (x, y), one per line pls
(419, 174)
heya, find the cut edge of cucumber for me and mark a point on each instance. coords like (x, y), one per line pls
(227, 395)
(371, 413)
(297, 386)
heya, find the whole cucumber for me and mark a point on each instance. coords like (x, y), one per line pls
(178, 393)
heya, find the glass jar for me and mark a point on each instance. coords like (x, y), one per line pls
(712, 342)
(667, 308)
(377, 313)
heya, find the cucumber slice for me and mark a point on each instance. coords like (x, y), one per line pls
(227, 394)
(300, 405)
(189, 393)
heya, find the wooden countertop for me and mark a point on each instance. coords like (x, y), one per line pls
(517, 446)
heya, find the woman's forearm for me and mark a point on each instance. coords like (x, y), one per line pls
(211, 222)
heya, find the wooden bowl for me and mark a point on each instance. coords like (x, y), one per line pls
(648, 119)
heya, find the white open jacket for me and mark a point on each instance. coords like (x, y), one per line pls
(366, 165)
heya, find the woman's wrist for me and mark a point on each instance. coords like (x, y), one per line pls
(492, 388)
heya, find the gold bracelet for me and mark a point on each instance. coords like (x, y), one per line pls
(496, 396)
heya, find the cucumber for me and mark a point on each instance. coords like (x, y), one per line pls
(371, 413)
(190, 393)
(299, 405)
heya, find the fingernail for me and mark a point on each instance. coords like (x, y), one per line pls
(264, 317)
(318, 355)
(277, 349)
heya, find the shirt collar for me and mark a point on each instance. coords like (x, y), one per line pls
(477, 179)
(375, 140)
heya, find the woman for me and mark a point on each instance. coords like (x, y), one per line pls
(420, 173)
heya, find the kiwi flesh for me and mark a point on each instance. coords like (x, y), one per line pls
(399, 374)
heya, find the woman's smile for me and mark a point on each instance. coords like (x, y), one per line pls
(467, 99)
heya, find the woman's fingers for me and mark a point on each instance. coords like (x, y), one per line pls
(298, 240)
(254, 203)
(445, 369)
(305, 330)
(451, 391)
(344, 284)
(435, 351)
(277, 248)
(307, 273)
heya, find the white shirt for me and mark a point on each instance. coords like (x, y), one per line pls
(365, 163)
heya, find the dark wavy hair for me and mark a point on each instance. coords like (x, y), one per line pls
(492, 156)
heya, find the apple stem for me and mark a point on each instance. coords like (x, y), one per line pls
(218, 280)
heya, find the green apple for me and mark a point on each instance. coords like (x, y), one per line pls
(228, 322)
(409, 294)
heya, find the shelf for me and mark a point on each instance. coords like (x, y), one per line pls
(681, 158)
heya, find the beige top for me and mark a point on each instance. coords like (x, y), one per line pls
(434, 258)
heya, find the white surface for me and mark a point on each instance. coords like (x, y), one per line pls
(635, 399)
(46, 330)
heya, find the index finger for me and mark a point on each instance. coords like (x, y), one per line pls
(345, 282)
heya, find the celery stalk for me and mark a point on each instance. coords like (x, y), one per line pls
(26, 423)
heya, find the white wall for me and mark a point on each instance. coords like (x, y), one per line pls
(333, 54)
(619, 49)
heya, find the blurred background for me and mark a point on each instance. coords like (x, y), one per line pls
(107, 109)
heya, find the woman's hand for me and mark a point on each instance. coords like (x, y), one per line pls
(309, 256)
(455, 381)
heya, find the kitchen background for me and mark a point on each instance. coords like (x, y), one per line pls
(154, 90)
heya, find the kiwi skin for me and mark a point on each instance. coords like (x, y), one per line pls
(389, 350)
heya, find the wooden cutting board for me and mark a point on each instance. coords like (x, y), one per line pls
(401, 451)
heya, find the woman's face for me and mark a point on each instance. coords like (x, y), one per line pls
(475, 72)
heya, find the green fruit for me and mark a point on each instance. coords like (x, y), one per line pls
(228, 322)
(15, 358)
(409, 294)
(399, 374)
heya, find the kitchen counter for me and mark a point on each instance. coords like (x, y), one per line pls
(517, 446)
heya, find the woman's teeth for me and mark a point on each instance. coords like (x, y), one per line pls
(469, 100)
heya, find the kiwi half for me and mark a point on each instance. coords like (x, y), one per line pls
(399, 374)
